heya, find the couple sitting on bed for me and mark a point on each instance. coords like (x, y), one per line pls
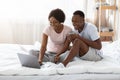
(57, 37)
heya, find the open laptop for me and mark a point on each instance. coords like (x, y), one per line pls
(28, 60)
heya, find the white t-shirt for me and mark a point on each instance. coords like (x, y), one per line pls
(90, 32)
(56, 40)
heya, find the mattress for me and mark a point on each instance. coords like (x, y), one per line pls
(108, 67)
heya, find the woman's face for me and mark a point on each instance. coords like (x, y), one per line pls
(54, 23)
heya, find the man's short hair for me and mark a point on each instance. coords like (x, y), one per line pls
(80, 13)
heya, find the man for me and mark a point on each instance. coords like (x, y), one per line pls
(86, 41)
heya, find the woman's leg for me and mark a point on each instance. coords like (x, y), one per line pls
(34, 52)
(79, 47)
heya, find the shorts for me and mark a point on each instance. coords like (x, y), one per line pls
(91, 55)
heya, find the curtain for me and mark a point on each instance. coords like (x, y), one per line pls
(22, 21)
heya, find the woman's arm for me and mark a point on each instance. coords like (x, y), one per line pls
(65, 48)
(43, 47)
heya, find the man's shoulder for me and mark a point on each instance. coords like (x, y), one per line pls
(90, 25)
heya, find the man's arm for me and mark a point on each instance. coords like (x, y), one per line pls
(94, 44)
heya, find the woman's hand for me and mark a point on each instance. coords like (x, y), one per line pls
(40, 62)
(56, 59)
(72, 37)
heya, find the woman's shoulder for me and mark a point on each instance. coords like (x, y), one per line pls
(47, 30)
(67, 27)
(47, 27)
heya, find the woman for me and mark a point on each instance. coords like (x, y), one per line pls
(54, 36)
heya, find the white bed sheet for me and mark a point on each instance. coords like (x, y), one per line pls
(10, 65)
(65, 77)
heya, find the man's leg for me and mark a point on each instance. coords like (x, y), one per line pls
(79, 47)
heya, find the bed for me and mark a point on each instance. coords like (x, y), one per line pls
(106, 69)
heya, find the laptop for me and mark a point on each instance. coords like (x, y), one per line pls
(28, 60)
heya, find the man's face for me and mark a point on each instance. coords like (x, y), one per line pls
(77, 22)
